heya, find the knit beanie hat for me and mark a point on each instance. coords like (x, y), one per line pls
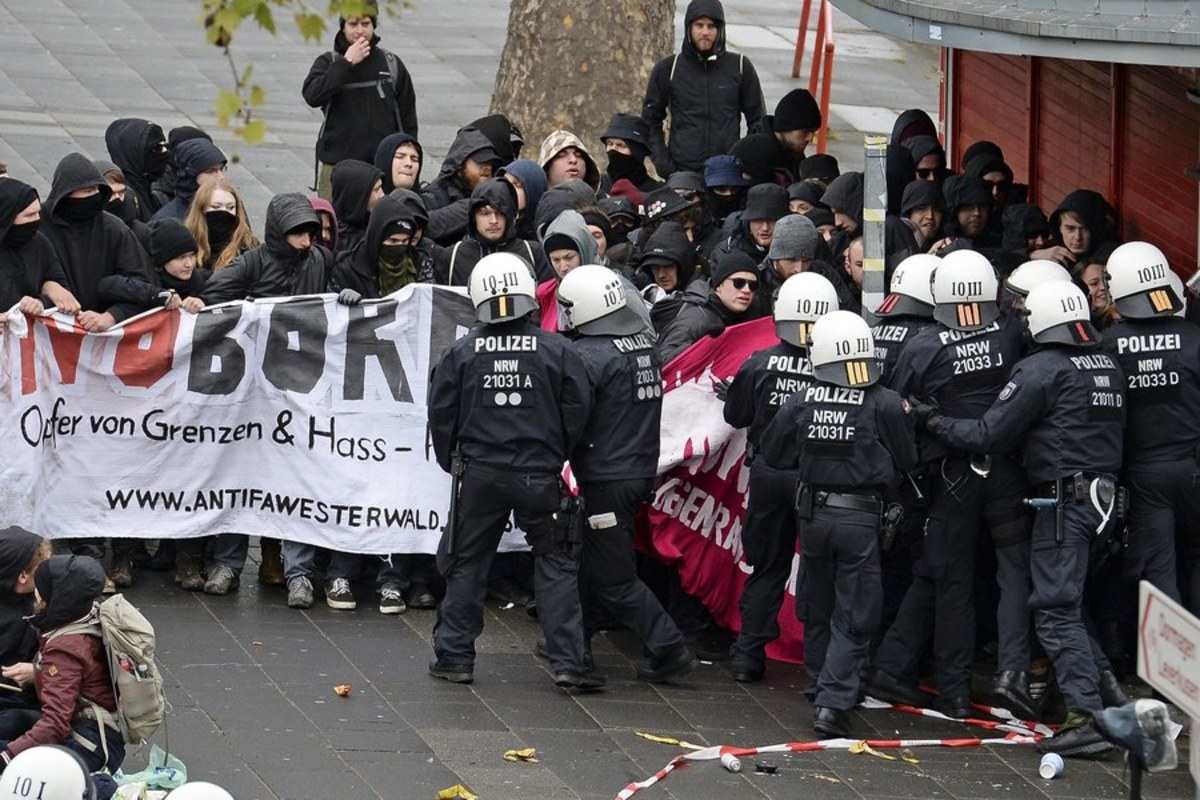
(795, 237)
(730, 262)
(796, 111)
(169, 238)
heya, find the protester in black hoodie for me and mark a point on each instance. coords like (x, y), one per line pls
(139, 148)
(796, 120)
(844, 197)
(90, 244)
(470, 161)
(364, 91)
(197, 162)
(20, 554)
(164, 187)
(399, 159)
(968, 215)
(175, 281)
(1079, 224)
(285, 264)
(31, 275)
(357, 187)
(388, 258)
(627, 146)
(493, 229)
(706, 90)
(667, 263)
(729, 301)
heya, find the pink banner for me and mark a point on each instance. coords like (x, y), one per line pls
(695, 521)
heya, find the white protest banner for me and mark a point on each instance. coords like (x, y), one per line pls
(301, 419)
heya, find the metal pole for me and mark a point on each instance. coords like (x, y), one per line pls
(874, 211)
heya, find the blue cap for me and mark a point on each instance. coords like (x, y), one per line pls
(724, 170)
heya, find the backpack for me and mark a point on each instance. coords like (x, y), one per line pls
(137, 683)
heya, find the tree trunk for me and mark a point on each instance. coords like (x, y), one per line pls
(572, 65)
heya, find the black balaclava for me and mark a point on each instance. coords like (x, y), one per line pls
(81, 209)
(15, 197)
(221, 227)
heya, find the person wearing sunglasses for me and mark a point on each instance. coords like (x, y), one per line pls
(733, 280)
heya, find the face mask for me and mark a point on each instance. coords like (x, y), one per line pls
(156, 162)
(623, 166)
(125, 210)
(221, 225)
(21, 235)
(721, 207)
(394, 253)
(80, 209)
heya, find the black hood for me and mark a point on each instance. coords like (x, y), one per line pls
(129, 142)
(69, 586)
(287, 212)
(468, 140)
(901, 169)
(569, 195)
(846, 195)
(966, 190)
(913, 122)
(192, 157)
(500, 195)
(17, 547)
(415, 203)
(704, 8)
(74, 172)
(921, 193)
(387, 151)
(922, 146)
(389, 209)
(15, 197)
(669, 243)
(1021, 222)
(499, 130)
(1090, 206)
(352, 181)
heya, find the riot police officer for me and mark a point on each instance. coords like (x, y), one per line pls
(907, 310)
(507, 404)
(848, 440)
(616, 459)
(759, 389)
(1021, 280)
(960, 365)
(1160, 355)
(1064, 406)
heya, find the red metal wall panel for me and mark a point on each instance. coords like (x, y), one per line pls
(1128, 132)
(990, 101)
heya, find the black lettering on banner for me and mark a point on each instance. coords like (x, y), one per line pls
(294, 358)
(218, 362)
(363, 342)
(452, 312)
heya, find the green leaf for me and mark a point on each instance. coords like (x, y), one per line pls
(227, 18)
(227, 105)
(253, 132)
(265, 19)
(311, 26)
(247, 8)
(258, 96)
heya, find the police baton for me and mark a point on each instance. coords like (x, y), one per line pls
(458, 465)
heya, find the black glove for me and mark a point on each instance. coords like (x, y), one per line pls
(349, 297)
(721, 388)
(920, 412)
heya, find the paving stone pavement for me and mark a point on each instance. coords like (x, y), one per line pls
(250, 681)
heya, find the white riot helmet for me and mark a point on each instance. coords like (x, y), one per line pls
(1034, 273)
(48, 772)
(1177, 285)
(502, 288)
(843, 350)
(591, 300)
(911, 292)
(1059, 312)
(1139, 282)
(802, 300)
(964, 291)
(199, 790)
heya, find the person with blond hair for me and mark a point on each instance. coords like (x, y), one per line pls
(218, 220)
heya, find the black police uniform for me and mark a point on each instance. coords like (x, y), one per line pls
(847, 446)
(1161, 361)
(615, 465)
(759, 389)
(512, 401)
(1064, 407)
(890, 336)
(961, 373)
